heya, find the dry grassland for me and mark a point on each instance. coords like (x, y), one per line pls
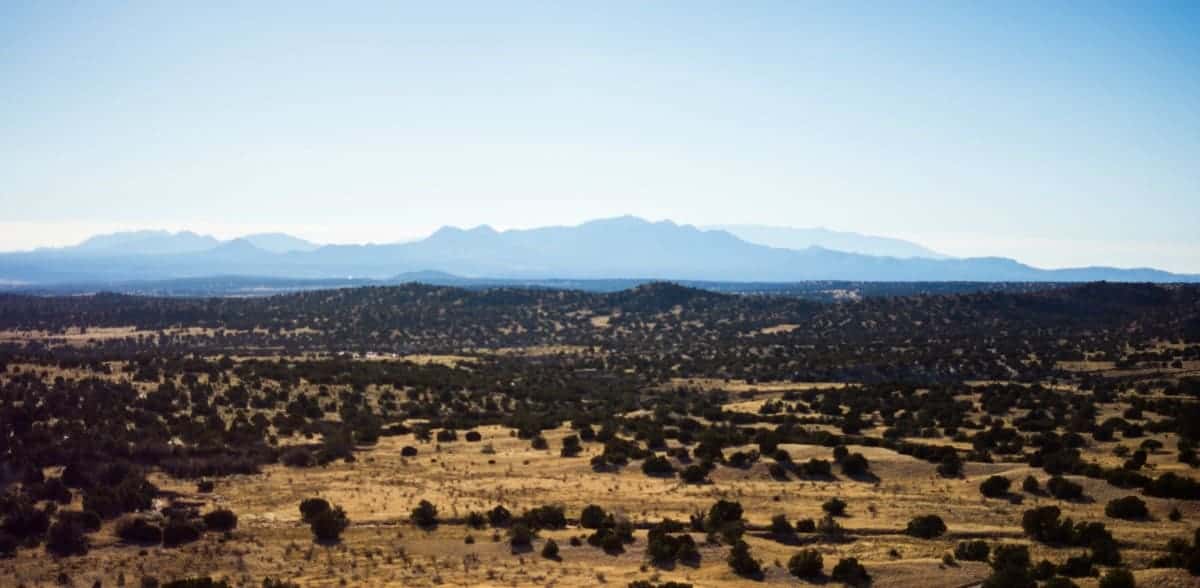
(382, 548)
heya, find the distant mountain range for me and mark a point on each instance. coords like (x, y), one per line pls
(798, 238)
(616, 248)
(165, 243)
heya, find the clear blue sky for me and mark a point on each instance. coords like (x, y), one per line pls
(1059, 133)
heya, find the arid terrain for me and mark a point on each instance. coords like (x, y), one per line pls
(996, 438)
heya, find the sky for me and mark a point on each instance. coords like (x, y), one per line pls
(1059, 134)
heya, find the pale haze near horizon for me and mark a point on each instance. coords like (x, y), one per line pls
(1059, 135)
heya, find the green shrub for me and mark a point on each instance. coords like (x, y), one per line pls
(221, 519)
(1031, 485)
(657, 465)
(180, 531)
(311, 507)
(995, 486)
(807, 563)
(926, 527)
(1118, 578)
(424, 515)
(520, 534)
(976, 550)
(135, 529)
(834, 506)
(8, 544)
(328, 525)
(592, 517)
(741, 562)
(1064, 489)
(1129, 507)
(66, 537)
(855, 464)
(499, 516)
(850, 572)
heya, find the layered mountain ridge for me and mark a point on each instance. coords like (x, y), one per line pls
(614, 248)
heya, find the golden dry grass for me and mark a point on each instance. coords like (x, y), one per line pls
(382, 548)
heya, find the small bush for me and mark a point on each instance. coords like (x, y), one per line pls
(520, 534)
(1129, 507)
(424, 515)
(66, 537)
(135, 529)
(855, 464)
(550, 549)
(694, 474)
(328, 525)
(1043, 570)
(741, 562)
(606, 538)
(179, 531)
(830, 527)
(1172, 485)
(476, 520)
(592, 517)
(499, 516)
(662, 547)
(849, 571)
(1076, 566)
(656, 465)
(549, 516)
(8, 544)
(926, 527)
(1012, 577)
(571, 446)
(311, 507)
(995, 487)
(972, 550)
(1118, 578)
(807, 563)
(1031, 485)
(87, 519)
(1007, 555)
(780, 526)
(834, 506)
(951, 466)
(1064, 489)
(817, 468)
(778, 472)
(298, 457)
(221, 520)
